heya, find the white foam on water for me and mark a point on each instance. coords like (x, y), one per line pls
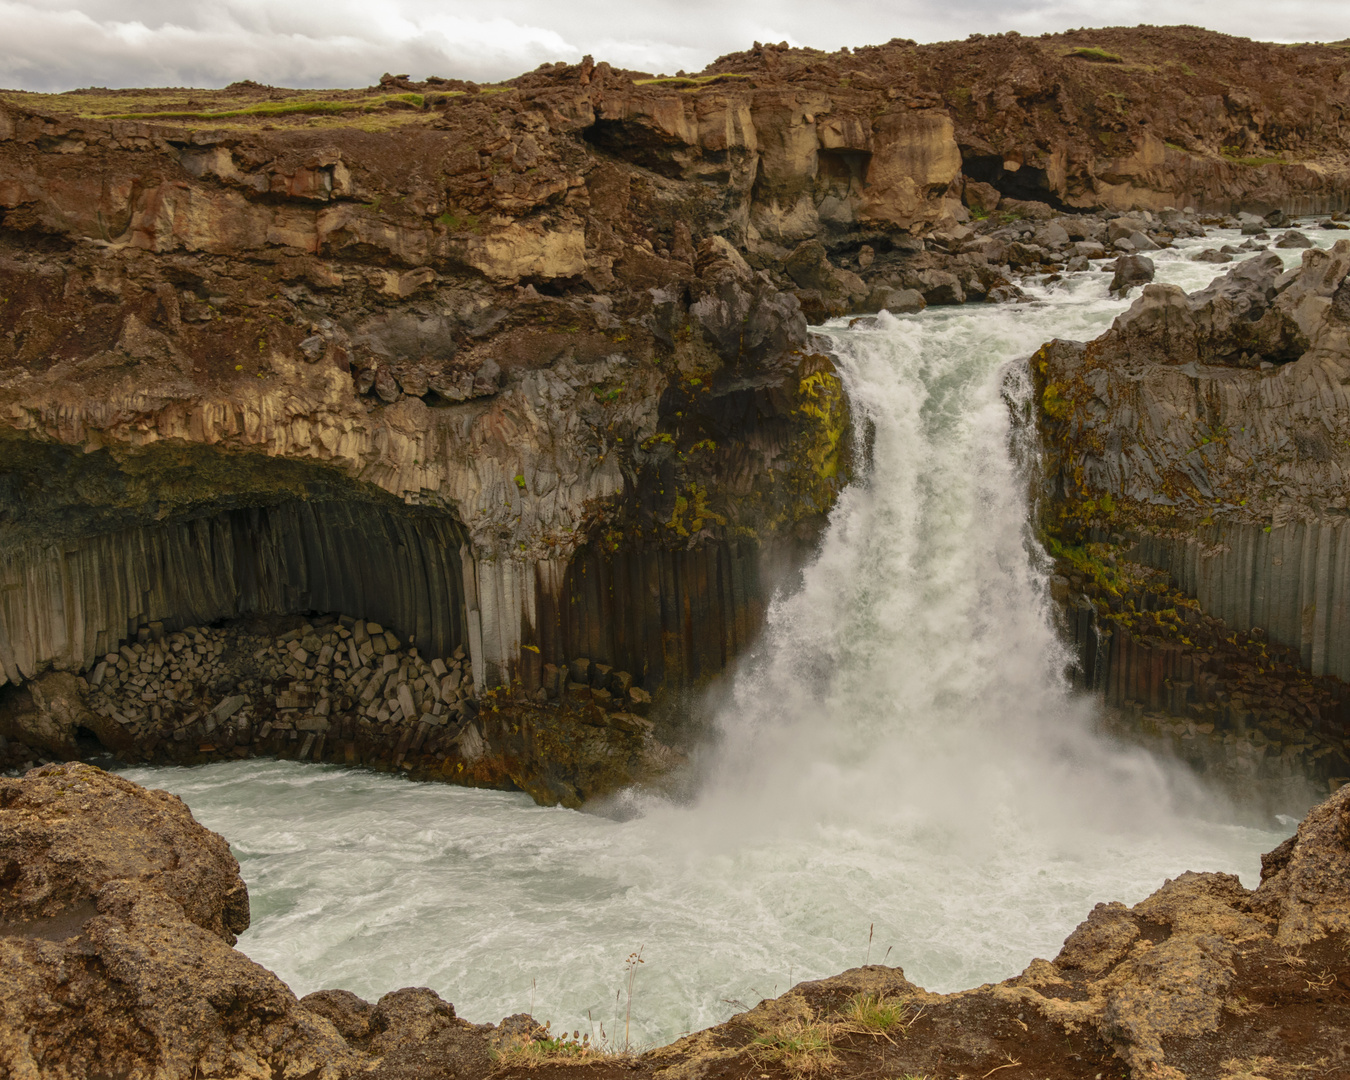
(900, 753)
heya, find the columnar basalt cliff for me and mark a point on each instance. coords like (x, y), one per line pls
(1205, 437)
(119, 913)
(525, 370)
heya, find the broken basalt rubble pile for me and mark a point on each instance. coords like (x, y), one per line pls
(1195, 462)
(340, 690)
(120, 912)
(302, 684)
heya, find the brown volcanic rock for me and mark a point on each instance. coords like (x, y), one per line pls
(1183, 115)
(67, 832)
(1305, 883)
(117, 917)
(119, 912)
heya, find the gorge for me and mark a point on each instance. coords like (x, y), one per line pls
(775, 440)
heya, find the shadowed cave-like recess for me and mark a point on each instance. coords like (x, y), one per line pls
(82, 570)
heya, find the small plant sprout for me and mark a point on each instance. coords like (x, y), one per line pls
(631, 964)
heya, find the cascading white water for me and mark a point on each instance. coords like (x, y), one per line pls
(900, 753)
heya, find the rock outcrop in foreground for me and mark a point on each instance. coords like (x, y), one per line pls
(119, 912)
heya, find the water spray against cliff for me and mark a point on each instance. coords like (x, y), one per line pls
(900, 751)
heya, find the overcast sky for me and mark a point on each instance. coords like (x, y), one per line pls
(61, 44)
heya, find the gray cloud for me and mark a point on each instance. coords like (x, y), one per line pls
(61, 44)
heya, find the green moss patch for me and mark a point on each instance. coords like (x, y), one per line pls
(1096, 55)
(690, 82)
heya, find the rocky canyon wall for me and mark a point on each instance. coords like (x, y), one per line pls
(1205, 436)
(526, 368)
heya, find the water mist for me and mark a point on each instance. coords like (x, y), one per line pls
(900, 752)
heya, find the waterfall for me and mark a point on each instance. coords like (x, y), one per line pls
(899, 754)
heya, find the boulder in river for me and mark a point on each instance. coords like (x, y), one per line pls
(1293, 239)
(896, 301)
(1131, 270)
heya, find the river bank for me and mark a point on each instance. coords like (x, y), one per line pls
(117, 894)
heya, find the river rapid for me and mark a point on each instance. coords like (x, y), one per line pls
(900, 773)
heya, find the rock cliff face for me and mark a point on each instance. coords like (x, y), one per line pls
(197, 427)
(525, 370)
(119, 912)
(1205, 436)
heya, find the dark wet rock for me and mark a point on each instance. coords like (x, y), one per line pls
(1141, 242)
(1130, 271)
(1293, 239)
(896, 301)
(1005, 294)
(809, 266)
(937, 286)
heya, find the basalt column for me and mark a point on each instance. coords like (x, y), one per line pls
(64, 603)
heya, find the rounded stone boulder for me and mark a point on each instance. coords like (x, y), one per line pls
(1131, 270)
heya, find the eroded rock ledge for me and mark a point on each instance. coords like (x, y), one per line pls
(119, 912)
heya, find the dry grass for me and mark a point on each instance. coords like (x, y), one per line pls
(236, 107)
(564, 1050)
(272, 109)
(801, 1045)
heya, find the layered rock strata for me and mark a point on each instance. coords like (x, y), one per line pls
(460, 457)
(525, 369)
(119, 913)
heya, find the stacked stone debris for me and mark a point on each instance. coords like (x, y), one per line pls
(235, 686)
(340, 690)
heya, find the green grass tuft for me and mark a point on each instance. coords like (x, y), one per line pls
(801, 1046)
(1096, 55)
(873, 1013)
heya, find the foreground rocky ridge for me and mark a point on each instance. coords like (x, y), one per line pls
(119, 913)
